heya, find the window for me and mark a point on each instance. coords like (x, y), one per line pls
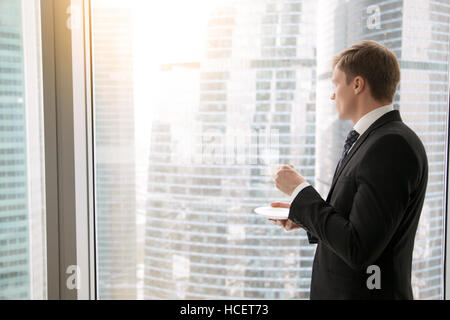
(192, 103)
(22, 201)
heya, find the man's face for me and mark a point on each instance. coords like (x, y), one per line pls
(343, 95)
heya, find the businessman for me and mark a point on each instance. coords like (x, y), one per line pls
(365, 229)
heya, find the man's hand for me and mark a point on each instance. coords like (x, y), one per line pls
(287, 179)
(288, 224)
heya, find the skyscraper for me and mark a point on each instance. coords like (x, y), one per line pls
(203, 239)
(114, 151)
(22, 217)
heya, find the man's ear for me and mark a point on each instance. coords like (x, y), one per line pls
(358, 84)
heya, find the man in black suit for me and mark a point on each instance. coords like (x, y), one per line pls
(365, 229)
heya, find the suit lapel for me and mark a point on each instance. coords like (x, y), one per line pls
(388, 117)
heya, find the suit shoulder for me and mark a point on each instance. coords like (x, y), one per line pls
(400, 135)
(396, 140)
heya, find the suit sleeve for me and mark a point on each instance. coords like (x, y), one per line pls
(385, 179)
(311, 238)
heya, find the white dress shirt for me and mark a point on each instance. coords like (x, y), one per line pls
(361, 126)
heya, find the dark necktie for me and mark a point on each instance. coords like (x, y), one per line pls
(351, 138)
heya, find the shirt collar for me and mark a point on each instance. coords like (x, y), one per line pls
(364, 123)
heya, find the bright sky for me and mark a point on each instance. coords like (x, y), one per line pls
(167, 30)
(164, 31)
(171, 30)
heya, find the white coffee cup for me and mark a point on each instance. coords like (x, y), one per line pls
(272, 169)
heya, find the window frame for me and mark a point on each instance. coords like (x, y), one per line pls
(68, 149)
(446, 248)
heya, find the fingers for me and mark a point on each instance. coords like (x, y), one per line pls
(278, 222)
(283, 168)
(287, 225)
(291, 225)
(283, 171)
(280, 205)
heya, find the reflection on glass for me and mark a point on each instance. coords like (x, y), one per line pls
(190, 98)
(22, 207)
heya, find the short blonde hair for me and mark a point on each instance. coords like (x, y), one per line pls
(374, 62)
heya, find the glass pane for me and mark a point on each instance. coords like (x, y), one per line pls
(22, 194)
(194, 103)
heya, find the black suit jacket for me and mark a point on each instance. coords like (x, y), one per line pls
(370, 216)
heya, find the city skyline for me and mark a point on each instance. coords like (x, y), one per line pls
(115, 153)
(267, 65)
(22, 204)
(192, 110)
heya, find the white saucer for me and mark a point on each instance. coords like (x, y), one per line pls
(273, 213)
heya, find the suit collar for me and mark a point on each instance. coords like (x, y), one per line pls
(364, 123)
(387, 117)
